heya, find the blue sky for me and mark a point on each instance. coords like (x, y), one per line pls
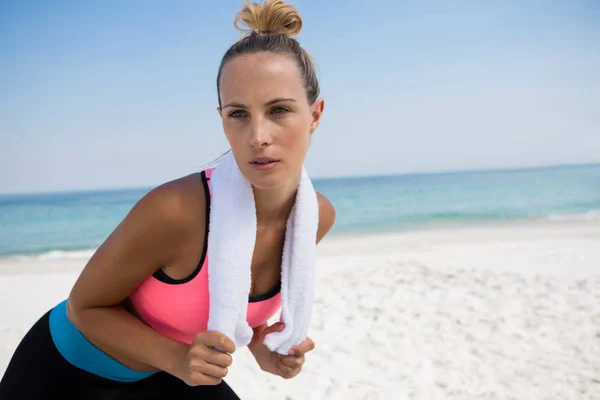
(111, 94)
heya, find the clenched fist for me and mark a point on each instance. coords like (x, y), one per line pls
(206, 359)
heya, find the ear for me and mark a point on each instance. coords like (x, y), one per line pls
(316, 113)
(220, 111)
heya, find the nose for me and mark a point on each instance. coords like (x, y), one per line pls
(260, 133)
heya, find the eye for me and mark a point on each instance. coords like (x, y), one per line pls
(279, 110)
(237, 114)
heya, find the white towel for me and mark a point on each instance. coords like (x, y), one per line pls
(231, 240)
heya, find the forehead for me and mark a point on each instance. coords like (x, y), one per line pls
(260, 77)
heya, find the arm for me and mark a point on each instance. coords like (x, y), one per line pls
(149, 238)
(326, 217)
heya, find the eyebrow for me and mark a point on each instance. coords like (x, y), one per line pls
(268, 103)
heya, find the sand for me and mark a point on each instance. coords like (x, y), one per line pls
(487, 312)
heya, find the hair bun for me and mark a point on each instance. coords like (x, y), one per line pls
(271, 16)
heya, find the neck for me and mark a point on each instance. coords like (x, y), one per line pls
(273, 206)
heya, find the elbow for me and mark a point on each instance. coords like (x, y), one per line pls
(73, 313)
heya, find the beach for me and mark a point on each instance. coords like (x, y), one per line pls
(490, 311)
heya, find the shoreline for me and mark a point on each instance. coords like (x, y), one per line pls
(397, 231)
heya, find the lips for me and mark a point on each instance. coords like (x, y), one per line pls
(263, 160)
(264, 164)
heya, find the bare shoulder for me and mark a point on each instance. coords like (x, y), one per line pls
(181, 200)
(326, 216)
(167, 215)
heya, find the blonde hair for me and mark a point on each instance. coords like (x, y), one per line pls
(271, 28)
(273, 16)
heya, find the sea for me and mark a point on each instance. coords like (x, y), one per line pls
(73, 224)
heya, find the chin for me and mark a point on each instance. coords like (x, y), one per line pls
(268, 180)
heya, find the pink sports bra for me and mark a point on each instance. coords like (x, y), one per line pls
(179, 308)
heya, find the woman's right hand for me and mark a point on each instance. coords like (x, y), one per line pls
(203, 363)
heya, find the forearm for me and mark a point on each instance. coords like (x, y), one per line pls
(125, 338)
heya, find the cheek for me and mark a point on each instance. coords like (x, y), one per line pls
(295, 140)
(296, 145)
(233, 131)
(297, 134)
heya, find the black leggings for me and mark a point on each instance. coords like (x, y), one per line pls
(38, 371)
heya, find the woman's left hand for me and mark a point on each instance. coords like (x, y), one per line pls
(270, 361)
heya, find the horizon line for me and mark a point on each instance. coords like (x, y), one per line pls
(323, 178)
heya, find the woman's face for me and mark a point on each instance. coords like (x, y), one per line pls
(266, 117)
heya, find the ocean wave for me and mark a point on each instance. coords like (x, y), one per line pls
(56, 255)
(591, 215)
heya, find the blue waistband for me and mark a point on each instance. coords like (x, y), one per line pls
(78, 351)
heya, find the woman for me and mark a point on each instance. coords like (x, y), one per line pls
(120, 333)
